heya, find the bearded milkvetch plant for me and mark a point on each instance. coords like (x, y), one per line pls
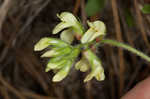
(63, 55)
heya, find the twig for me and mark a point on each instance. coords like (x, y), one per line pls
(12, 89)
(12, 41)
(30, 20)
(111, 83)
(95, 17)
(3, 12)
(112, 69)
(83, 13)
(76, 8)
(30, 67)
(119, 38)
(140, 23)
(84, 19)
(136, 71)
(34, 95)
(133, 77)
(128, 32)
(4, 92)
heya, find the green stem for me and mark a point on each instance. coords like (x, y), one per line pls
(127, 47)
(84, 45)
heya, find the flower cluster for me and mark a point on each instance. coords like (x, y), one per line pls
(63, 55)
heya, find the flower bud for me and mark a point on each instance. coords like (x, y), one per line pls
(63, 72)
(57, 52)
(47, 41)
(54, 65)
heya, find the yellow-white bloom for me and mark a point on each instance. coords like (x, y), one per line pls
(97, 29)
(97, 70)
(68, 20)
(42, 44)
(82, 65)
(67, 35)
(47, 41)
(62, 73)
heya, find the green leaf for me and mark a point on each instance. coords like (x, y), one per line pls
(146, 9)
(94, 6)
(129, 18)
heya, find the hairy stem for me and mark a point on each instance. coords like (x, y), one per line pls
(127, 47)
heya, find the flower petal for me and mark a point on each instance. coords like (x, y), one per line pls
(96, 66)
(100, 76)
(97, 29)
(49, 53)
(68, 17)
(82, 65)
(100, 26)
(57, 52)
(67, 36)
(85, 38)
(54, 65)
(88, 77)
(42, 44)
(60, 27)
(62, 73)
(47, 41)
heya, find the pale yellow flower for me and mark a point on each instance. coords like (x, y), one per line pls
(97, 70)
(97, 29)
(71, 25)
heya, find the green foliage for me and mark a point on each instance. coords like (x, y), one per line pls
(63, 54)
(146, 9)
(129, 18)
(94, 6)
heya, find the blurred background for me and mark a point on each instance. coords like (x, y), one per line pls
(24, 22)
